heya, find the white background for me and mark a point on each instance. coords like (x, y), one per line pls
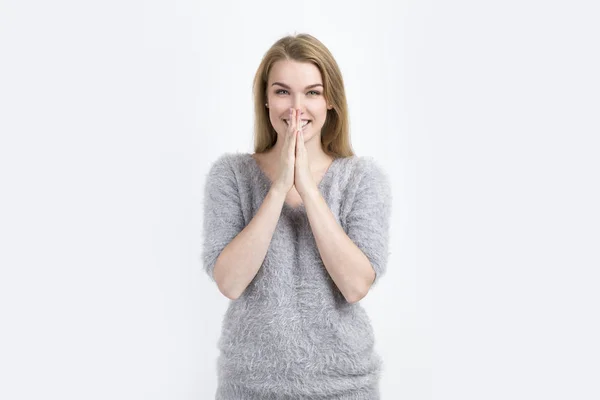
(485, 114)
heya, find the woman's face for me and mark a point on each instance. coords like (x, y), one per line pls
(294, 84)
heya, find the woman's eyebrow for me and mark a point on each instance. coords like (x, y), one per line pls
(287, 87)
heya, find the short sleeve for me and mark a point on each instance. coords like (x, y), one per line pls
(223, 217)
(368, 221)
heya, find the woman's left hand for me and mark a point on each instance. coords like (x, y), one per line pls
(303, 180)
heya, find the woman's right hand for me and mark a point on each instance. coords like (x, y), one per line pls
(285, 179)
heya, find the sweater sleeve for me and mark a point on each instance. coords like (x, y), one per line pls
(223, 217)
(368, 220)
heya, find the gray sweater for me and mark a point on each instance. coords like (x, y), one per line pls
(291, 334)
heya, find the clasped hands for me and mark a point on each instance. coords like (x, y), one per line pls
(294, 168)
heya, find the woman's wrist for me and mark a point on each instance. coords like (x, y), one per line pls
(277, 193)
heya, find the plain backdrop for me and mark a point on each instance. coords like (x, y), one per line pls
(485, 115)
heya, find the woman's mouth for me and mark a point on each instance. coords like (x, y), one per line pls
(305, 122)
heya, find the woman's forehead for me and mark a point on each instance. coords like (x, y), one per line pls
(294, 73)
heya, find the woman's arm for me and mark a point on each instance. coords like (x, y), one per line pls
(241, 259)
(355, 256)
(347, 265)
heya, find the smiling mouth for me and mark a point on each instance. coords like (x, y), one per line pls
(304, 123)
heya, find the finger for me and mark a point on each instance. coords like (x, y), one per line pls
(293, 149)
(292, 135)
(298, 128)
(288, 136)
(290, 120)
(293, 124)
(288, 129)
(300, 132)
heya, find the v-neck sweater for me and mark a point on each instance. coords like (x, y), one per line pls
(292, 334)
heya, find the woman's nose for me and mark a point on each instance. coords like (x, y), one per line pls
(297, 103)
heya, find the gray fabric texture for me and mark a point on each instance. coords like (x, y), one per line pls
(292, 334)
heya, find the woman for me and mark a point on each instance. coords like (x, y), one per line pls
(295, 235)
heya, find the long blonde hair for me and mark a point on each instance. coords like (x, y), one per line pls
(335, 136)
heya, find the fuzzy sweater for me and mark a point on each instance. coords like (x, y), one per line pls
(292, 334)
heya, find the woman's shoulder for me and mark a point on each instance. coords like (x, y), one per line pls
(360, 163)
(357, 168)
(228, 169)
(231, 158)
(366, 163)
(230, 161)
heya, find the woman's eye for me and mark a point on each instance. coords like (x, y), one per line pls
(316, 93)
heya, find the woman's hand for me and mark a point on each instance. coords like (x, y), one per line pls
(302, 176)
(285, 180)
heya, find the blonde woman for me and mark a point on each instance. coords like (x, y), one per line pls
(296, 234)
